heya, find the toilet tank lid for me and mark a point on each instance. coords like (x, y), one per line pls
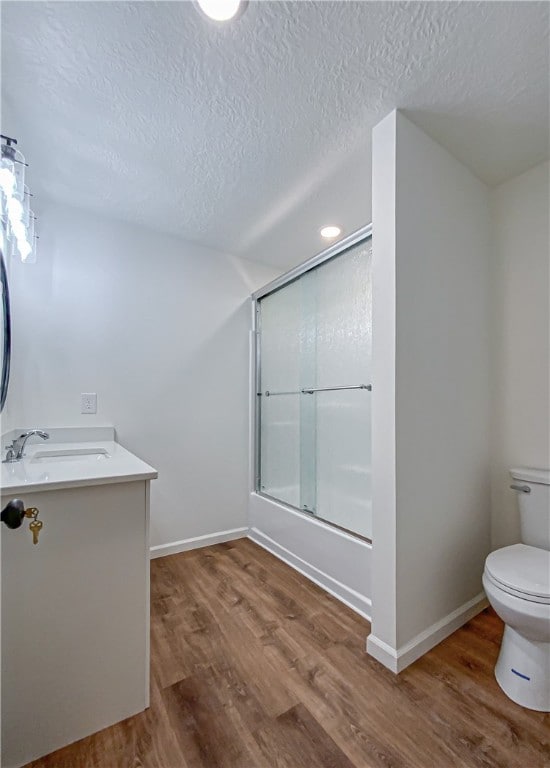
(531, 475)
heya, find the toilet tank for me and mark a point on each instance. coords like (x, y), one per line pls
(533, 489)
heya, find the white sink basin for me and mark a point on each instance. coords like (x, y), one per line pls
(75, 464)
(71, 454)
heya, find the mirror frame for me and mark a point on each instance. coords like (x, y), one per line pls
(6, 342)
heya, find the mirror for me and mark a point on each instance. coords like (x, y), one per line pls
(5, 330)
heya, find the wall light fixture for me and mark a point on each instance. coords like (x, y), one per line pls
(17, 219)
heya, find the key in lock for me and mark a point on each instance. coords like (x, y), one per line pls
(35, 526)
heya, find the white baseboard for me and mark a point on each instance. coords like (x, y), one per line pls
(397, 659)
(162, 550)
(357, 602)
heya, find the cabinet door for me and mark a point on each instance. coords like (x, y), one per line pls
(75, 618)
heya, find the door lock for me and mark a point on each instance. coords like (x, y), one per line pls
(14, 513)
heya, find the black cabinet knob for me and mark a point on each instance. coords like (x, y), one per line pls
(13, 513)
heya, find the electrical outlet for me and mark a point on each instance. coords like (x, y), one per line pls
(88, 402)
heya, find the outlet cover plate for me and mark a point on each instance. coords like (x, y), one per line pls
(88, 402)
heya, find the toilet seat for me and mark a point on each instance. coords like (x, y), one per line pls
(522, 571)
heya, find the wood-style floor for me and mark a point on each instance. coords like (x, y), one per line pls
(255, 667)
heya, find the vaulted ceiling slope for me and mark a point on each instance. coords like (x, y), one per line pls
(248, 136)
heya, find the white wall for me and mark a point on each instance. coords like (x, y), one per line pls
(159, 328)
(431, 501)
(521, 332)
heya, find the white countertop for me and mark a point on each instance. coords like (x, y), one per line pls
(38, 472)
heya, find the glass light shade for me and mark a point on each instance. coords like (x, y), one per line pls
(17, 221)
(32, 258)
(19, 164)
(25, 251)
(15, 209)
(25, 246)
(13, 164)
(26, 206)
(12, 247)
(33, 242)
(17, 229)
(4, 220)
(7, 178)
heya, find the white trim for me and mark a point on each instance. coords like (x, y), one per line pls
(382, 652)
(357, 602)
(397, 660)
(363, 233)
(196, 542)
(252, 401)
(147, 485)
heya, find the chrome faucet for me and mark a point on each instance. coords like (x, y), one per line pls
(15, 451)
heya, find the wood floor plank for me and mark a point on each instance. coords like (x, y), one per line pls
(224, 638)
(451, 741)
(254, 666)
(236, 647)
(296, 738)
(466, 685)
(146, 740)
(210, 733)
(365, 717)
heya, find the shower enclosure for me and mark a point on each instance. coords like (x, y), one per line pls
(313, 387)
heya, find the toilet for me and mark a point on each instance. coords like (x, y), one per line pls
(517, 584)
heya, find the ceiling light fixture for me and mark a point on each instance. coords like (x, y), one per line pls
(222, 10)
(330, 232)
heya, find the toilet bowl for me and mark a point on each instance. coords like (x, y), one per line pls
(523, 667)
(516, 580)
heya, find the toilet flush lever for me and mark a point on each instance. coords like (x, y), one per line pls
(521, 488)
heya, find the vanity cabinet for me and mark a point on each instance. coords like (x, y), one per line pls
(75, 616)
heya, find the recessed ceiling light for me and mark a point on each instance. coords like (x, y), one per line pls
(330, 232)
(222, 10)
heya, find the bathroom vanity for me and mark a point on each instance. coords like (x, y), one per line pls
(75, 606)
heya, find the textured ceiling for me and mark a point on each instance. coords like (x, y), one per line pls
(249, 136)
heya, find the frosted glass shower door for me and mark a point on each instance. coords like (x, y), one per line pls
(314, 405)
(280, 360)
(343, 417)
